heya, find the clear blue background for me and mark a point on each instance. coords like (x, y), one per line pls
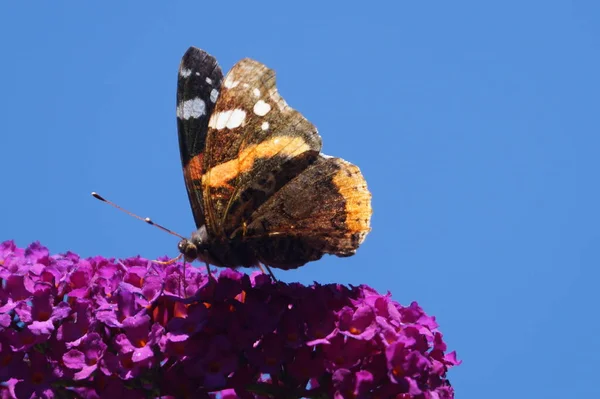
(475, 123)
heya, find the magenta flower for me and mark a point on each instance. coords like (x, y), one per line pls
(41, 316)
(84, 359)
(35, 377)
(98, 327)
(352, 385)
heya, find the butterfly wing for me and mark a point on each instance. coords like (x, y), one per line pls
(255, 144)
(253, 170)
(326, 209)
(198, 84)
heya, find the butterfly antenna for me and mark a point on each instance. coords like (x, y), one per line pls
(147, 220)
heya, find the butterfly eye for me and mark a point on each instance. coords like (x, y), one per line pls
(188, 249)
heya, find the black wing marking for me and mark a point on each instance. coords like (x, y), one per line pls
(198, 87)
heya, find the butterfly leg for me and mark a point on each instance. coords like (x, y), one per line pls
(171, 261)
(168, 262)
(208, 271)
(268, 270)
(184, 280)
(271, 274)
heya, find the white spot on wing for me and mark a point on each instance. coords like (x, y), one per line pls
(229, 82)
(193, 108)
(212, 122)
(197, 73)
(256, 92)
(237, 118)
(208, 80)
(221, 119)
(261, 108)
(227, 119)
(184, 72)
(214, 94)
(264, 126)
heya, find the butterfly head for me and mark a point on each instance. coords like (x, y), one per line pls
(195, 246)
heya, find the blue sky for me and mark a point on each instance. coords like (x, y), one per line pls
(476, 125)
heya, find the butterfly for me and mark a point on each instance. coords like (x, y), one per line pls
(260, 190)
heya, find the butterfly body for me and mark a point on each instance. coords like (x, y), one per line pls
(259, 188)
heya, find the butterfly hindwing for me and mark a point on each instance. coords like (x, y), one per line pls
(198, 85)
(255, 144)
(325, 209)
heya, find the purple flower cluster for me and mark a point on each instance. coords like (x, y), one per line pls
(105, 328)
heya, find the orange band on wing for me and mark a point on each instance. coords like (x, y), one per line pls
(284, 146)
(193, 171)
(353, 187)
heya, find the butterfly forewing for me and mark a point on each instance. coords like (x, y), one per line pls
(256, 143)
(198, 84)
